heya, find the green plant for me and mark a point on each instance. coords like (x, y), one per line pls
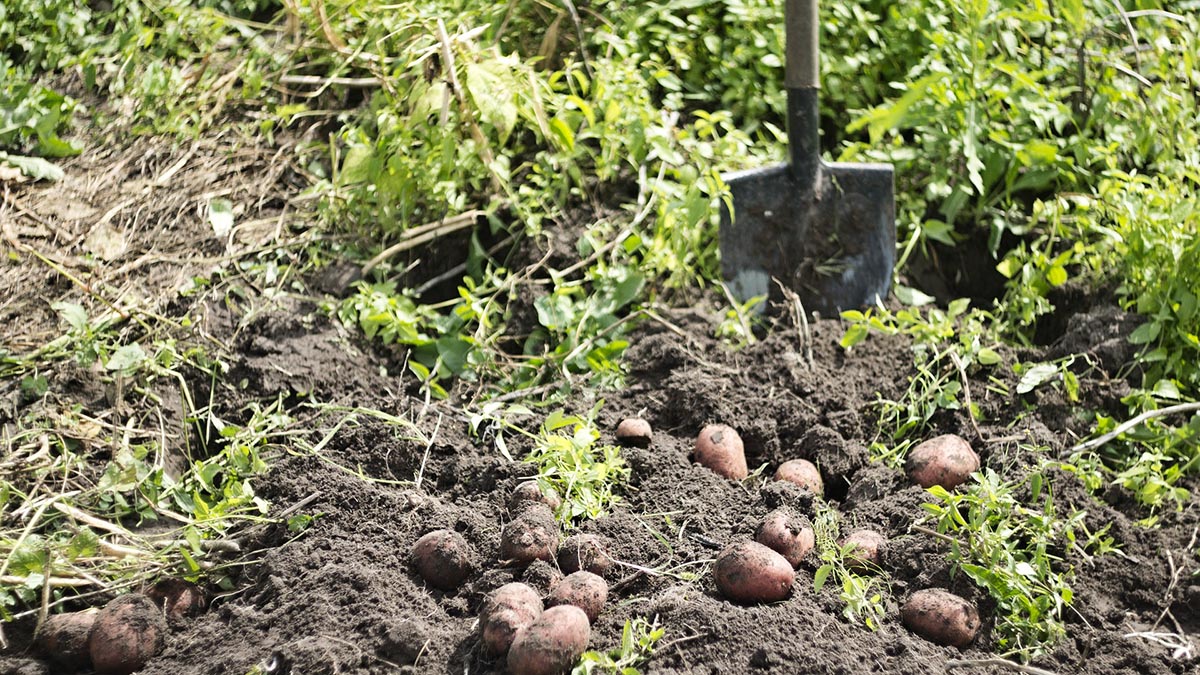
(637, 646)
(864, 596)
(1009, 539)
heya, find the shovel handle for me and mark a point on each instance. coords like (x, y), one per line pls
(802, 27)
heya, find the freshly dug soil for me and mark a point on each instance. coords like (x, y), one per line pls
(344, 598)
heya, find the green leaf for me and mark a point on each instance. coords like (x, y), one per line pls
(490, 89)
(820, 576)
(854, 335)
(356, 167)
(1035, 377)
(912, 297)
(127, 359)
(987, 357)
(1057, 276)
(1146, 333)
(73, 314)
(33, 167)
(220, 216)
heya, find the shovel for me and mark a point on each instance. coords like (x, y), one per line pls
(826, 231)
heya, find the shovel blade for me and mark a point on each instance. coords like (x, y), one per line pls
(834, 243)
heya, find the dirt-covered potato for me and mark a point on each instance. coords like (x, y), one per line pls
(584, 552)
(864, 551)
(533, 535)
(634, 432)
(749, 572)
(941, 617)
(552, 644)
(585, 590)
(803, 473)
(442, 558)
(508, 610)
(530, 492)
(63, 639)
(128, 631)
(787, 534)
(719, 448)
(946, 461)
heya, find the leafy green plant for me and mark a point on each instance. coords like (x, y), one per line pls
(1009, 539)
(638, 639)
(587, 476)
(863, 595)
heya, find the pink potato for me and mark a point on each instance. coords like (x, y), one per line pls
(533, 535)
(584, 552)
(945, 460)
(634, 432)
(803, 473)
(941, 617)
(864, 551)
(719, 448)
(787, 534)
(63, 639)
(530, 492)
(552, 644)
(585, 590)
(442, 558)
(178, 598)
(749, 572)
(129, 631)
(506, 612)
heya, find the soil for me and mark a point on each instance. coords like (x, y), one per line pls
(342, 597)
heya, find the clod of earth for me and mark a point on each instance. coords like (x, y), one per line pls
(634, 432)
(552, 644)
(864, 554)
(584, 552)
(946, 460)
(941, 617)
(64, 639)
(748, 572)
(128, 632)
(720, 449)
(533, 535)
(787, 534)
(803, 473)
(530, 492)
(506, 612)
(585, 590)
(443, 559)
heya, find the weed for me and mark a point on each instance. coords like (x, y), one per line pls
(1015, 547)
(864, 596)
(637, 646)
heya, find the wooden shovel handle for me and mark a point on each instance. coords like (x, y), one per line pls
(803, 29)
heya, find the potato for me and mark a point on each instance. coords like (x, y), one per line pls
(585, 590)
(530, 492)
(63, 639)
(533, 535)
(442, 558)
(177, 598)
(128, 632)
(946, 461)
(787, 534)
(941, 617)
(584, 552)
(865, 552)
(803, 473)
(508, 610)
(552, 644)
(541, 576)
(719, 448)
(749, 572)
(634, 432)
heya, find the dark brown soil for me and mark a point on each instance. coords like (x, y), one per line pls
(342, 597)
